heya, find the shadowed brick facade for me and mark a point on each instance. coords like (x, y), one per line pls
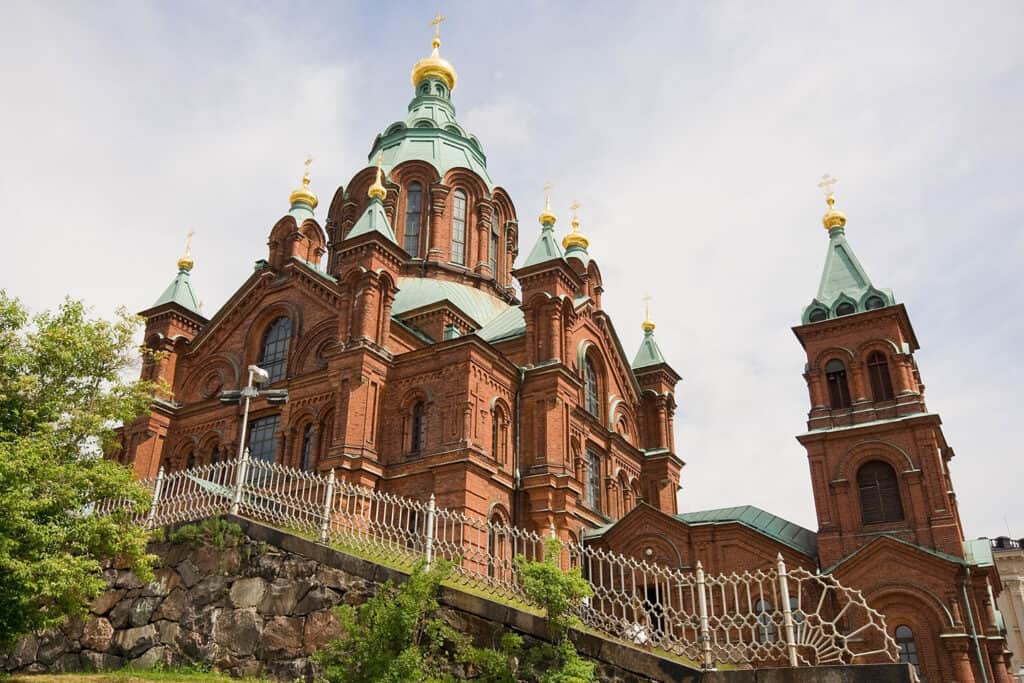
(416, 365)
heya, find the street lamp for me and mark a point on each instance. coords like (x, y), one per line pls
(257, 375)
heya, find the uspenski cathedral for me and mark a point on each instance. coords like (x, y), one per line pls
(423, 353)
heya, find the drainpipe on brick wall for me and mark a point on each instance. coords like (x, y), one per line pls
(515, 449)
(974, 631)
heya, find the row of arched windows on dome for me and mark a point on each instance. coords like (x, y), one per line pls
(819, 314)
(413, 221)
(878, 376)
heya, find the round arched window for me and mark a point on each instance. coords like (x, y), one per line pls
(845, 308)
(817, 315)
(873, 302)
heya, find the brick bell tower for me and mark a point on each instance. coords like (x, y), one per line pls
(879, 461)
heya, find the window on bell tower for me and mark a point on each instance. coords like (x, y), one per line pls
(459, 228)
(413, 212)
(590, 392)
(881, 381)
(879, 493)
(838, 389)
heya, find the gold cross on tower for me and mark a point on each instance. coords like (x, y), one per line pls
(827, 183)
(436, 23)
(647, 325)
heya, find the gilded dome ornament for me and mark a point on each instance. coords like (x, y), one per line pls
(647, 326)
(575, 238)
(833, 218)
(304, 195)
(546, 216)
(377, 190)
(185, 263)
(434, 65)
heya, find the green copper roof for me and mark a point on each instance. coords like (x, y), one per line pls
(649, 353)
(373, 220)
(301, 211)
(180, 292)
(507, 325)
(844, 281)
(546, 248)
(781, 530)
(416, 292)
(431, 133)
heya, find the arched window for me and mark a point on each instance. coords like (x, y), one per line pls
(765, 624)
(879, 493)
(838, 390)
(215, 454)
(263, 438)
(492, 245)
(459, 228)
(418, 428)
(592, 483)
(307, 448)
(907, 647)
(498, 434)
(190, 460)
(881, 382)
(817, 315)
(845, 308)
(590, 391)
(274, 356)
(413, 212)
(874, 302)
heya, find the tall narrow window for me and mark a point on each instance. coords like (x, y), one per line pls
(592, 485)
(498, 435)
(838, 390)
(907, 647)
(590, 400)
(274, 354)
(459, 228)
(492, 245)
(413, 212)
(307, 448)
(765, 625)
(881, 382)
(263, 438)
(879, 493)
(418, 428)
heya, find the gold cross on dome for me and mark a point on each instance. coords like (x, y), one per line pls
(188, 240)
(436, 23)
(827, 183)
(646, 298)
(547, 194)
(574, 206)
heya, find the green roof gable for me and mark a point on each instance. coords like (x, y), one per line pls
(777, 528)
(546, 248)
(649, 353)
(180, 292)
(373, 220)
(844, 281)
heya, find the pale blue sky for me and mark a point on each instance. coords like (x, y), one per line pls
(692, 133)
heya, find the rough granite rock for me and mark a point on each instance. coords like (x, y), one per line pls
(142, 610)
(102, 604)
(168, 632)
(208, 590)
(24, 652)
(316, 599)
(134, 641)
(189, 573)
(238, 630)
(173, 606)
(99, 661)
(120, 614)
(320, 628)
(282, 637)
(150, 658)
(282, 595)
(97, 635)
(51, 646)
(164, 581)
(247, 592)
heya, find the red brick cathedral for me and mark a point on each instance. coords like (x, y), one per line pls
(414, 364)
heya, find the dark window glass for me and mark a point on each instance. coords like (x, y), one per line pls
(190, 460)
(590, 400)
(873, 302)
(492, 245)
(655, 606)
(496, 433)
(845, 308)
(879, 493)
(592, 485)
(838, 389)
(413, 212)
(307, 448)
(908, 648)
(274, 357)
(263, 438)
(215, 454)
(817, 315)
(419, 428)
(765, 625)
(881, 382)
(459, 228)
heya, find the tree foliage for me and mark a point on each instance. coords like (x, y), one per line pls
(61, 396)
(398, 635)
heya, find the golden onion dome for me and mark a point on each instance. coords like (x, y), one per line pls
(575, 238)
(434, 66)
(304, 194)
(547, 217)
(185, 263)
(377, 190)
(833, 218)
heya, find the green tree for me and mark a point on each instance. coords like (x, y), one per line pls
(62, 394)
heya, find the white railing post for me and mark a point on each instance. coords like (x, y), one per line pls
(705, 627)
(157, 489)
(243, 466)
(787, 612)
(328, 504)
(431, 507)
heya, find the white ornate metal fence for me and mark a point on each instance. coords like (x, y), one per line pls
(770, 616)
